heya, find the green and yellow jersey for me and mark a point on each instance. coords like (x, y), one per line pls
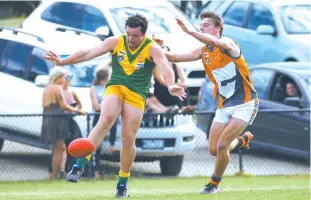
(132, 69)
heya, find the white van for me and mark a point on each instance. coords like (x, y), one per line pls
(107, 18)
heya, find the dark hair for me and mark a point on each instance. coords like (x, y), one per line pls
(101, 74)
(137, 20)
(217, 19)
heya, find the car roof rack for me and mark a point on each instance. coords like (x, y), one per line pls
(15, 32)
(79, 32)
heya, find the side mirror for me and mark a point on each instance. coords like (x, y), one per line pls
(293, 101)
(41, 80)
(266, 30)
(102, 31)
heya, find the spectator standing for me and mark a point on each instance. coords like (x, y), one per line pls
(55, 126)
(73, 100)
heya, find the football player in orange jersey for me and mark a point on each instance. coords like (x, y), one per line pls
(234, 92)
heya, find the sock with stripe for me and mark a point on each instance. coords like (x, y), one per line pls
(123, 179)
(215, 180)
(82, 162)
(242, 140)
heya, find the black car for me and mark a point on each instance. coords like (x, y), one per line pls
(283, 123)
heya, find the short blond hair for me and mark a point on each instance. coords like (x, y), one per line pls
(216, 19)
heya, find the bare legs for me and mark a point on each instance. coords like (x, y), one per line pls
(110, 109)
(59, 157)
(131, 120)
(222, 140)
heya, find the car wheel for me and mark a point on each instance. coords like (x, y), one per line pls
(1, 144)
(171, 165)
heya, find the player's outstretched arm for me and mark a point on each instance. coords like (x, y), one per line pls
(180, 57)
(184, 57)
(157, 54)
(223, 43)
(85, 54)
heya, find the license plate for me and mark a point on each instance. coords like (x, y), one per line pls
(153, 144)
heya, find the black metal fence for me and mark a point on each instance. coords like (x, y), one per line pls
(167, 144)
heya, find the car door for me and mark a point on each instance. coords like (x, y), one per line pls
(261, 48)
(278, 131)
(19, 96)
(292, 127)
(234, 26)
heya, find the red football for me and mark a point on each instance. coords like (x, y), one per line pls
(81, 147)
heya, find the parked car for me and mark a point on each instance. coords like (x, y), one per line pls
(268, 31)
(280, 131)
(21, 63)
(107, 18)
(23, 71)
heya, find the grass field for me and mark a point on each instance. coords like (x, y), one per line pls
(12, 23)
(233, 188)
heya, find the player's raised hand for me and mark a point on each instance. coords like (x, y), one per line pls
(178, 91)
(157, 40)
(54, 58)
(182, 25)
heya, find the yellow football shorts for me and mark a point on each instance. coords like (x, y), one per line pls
(126, 96)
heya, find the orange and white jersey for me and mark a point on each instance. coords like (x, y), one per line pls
(233, 84)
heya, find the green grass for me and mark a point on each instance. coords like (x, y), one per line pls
(11, 22)
(233, 188)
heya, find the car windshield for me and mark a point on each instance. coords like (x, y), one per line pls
(161, 19)
(82, 73)
(296, 18)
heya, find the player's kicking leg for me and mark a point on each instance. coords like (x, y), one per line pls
(110, 110)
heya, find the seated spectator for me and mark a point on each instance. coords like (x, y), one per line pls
(154, 105)
(161, 91)
(291, 90)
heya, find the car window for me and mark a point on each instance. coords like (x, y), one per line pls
(236, 13)
(38, 65)
(161, 19)
(261, 79)
(83, 73)
(283, 86)
(75, 15)
(260, 15)
(296, 18)
(18, 59)
(3, 49)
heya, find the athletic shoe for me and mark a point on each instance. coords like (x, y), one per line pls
(210, 189)
(248, 136)
(122, 192)
(75, 174)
